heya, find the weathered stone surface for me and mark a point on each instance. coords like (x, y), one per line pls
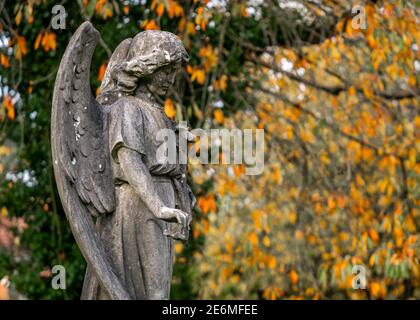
(104, 155)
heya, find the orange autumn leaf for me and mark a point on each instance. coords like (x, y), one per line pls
(293, 276)
(352, 91)
(104, 9)
(169, 108)
(149, 25)
(253, 238)
(200, 10)
(339, 26)
(18, 17)
(307, 136)
(223, 82)
(160, 9)
(21, 49)
(218, 116)
(272, 262)
(277, 175)
(181, 25)
(377, 290)
(175, 9)
(189, 69)
(272, 293)
(293, 217)
(373, 234)
(220, 84)
(238, 170)
(4, 61)
(266, 241)
(201, 18)
(244, 11)
(38, 41)
(209, 57)
(8, 105)
(154, 4)
(190, 28)
(48, 41)
(101, 71)
(367, 90)
(52, 41)
(412, 81)
(207, 203)
(100, 4)
(341, 202)
(372, 42)
(198, 75)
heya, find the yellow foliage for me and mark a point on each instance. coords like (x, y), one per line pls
(4, 61)
(207, 203)
(47, 40)
(221, 84)
(294, 277)
(209, 57)
(101, 71)
(21, 49)
(218, 116)
(198, 75)
(169, 108)
(8, 105)
(345, 164)
(266, 241)
(149, 25)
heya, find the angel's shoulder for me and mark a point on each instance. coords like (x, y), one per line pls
(126, 107)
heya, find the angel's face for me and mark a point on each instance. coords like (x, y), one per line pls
(162, 79)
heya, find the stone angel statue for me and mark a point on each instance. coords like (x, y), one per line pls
(125, 208)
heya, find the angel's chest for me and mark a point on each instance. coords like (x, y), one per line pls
(155, 126)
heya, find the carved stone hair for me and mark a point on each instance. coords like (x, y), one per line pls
(138, 58)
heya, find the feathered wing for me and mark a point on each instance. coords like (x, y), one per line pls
(81, 156)
(109, 90)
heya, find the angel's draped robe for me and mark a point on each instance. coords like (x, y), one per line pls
(140, 254)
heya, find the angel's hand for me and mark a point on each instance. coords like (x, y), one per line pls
(171, 214)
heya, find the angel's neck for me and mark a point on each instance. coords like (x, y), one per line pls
(143, 93)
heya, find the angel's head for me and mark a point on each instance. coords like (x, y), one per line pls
(149, 60)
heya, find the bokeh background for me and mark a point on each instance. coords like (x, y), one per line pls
(336, 91)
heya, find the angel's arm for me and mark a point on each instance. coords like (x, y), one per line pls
(140, 180)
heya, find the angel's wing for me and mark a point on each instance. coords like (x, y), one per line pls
(80, 133)
(80, 154)
(109, 91)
